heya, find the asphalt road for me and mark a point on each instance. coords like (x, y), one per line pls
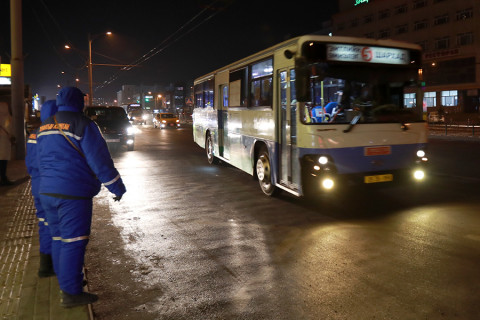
(191, 240)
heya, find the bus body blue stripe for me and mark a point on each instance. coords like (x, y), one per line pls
(353, 160)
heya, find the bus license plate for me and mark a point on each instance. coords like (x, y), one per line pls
(378, 178)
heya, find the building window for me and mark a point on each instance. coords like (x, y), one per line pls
(368, 18)
(465, 39)
(419, 25)
(417, 4)
(423, 44)
(409, 100)
(443, 19)
(449, 98)
(465, 14)
(384, 14)
(370, 35)
(442, 43)
(401, 9)
(401, 29)
(384, 33)
(430, 99)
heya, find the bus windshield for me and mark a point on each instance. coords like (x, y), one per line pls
(342, 93)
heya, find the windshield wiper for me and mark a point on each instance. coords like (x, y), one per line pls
(353, 123)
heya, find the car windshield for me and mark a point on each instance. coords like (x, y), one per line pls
(366, 94)
(107, 114)
(167, 115)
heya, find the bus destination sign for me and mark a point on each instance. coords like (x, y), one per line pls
(366, 54)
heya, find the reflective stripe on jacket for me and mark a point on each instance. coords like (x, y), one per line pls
(63, 170)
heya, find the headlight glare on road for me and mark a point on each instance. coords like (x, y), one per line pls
(130, 131)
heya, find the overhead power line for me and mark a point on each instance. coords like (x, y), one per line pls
(167, 42)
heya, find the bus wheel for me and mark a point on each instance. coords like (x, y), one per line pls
(264, 173)
(209, 149)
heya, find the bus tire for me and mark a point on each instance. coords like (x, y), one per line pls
(263, 170)
(209, 149)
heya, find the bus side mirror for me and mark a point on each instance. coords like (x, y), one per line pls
(302, 80)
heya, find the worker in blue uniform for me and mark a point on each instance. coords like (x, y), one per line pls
(74, 161)
(49, 108)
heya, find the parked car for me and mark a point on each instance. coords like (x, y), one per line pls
(114, 124)
(165, 120)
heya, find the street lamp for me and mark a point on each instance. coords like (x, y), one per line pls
(90, 72)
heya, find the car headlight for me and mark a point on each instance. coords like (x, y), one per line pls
(177, 121)
(130, 131)
(164, 121)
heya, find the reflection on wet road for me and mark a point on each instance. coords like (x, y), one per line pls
(195, 241)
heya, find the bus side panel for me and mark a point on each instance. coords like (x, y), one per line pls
(245, 127)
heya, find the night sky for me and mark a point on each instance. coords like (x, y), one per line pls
(171, 41)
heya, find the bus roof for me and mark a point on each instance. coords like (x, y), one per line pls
(311, 37)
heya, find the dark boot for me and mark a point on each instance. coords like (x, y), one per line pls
(46, 266)
(73, 300)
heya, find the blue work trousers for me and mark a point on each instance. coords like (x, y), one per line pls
(69, 221)
(45, 238)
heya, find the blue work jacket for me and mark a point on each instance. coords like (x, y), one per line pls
(70, 173)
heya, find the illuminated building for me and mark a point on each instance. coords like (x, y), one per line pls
(447, 30)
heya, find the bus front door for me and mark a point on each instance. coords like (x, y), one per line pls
(224, 143)
(288, 130)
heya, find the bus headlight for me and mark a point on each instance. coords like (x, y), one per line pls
(422, 156)
(323, 160)
(328, 183)
(419, 174)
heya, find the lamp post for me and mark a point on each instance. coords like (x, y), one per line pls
(90, 71)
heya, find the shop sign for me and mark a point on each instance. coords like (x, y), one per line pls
(5, 70)
(357, 2)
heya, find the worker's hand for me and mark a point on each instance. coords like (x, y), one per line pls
(117, 198)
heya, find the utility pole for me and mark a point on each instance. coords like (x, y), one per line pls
(18, 86)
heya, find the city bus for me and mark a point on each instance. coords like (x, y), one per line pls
(315, 113)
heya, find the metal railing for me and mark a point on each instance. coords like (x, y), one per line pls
(455, 129)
